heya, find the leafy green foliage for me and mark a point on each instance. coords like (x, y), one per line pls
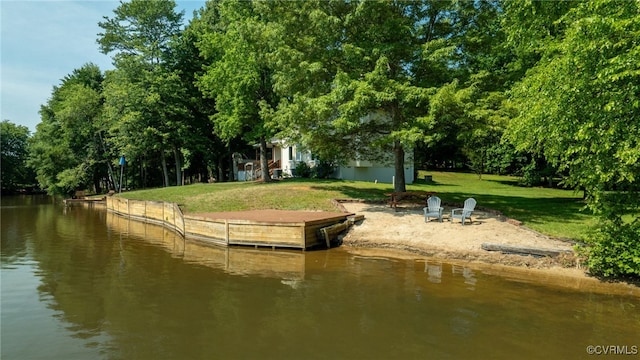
(580, 120)
(140, 31)
(538, 89)
(145, 98)
(14, 150)
(476, 118)
(303, 170)
(614, 250)
(585, 121)
(369, 92)
(69, 150)
(239, 73)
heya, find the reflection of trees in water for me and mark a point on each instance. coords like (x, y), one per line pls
(17, 225)
(137, 289)
(73, 267)
(154, 296)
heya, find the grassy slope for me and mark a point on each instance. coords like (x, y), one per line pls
(551, 211)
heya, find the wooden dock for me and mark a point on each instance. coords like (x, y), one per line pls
(259, 228)
(274, 228)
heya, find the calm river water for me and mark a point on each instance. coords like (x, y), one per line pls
(83, 284)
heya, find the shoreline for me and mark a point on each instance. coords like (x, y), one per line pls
(404, 234)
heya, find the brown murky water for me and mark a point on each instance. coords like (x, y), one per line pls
(83, 284)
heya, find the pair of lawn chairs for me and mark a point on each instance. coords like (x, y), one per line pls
(434, 210)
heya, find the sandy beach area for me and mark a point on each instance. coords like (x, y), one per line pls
(404, 233)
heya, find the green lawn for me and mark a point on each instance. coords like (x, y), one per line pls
(551, 211)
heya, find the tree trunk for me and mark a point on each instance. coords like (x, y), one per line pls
(109, 168)
(178, 156)
(96, 183)
(221, 168)
(398, 154)
(264, 162)
(165, 172)
(399, 183)
(112, 182)
(143, 173)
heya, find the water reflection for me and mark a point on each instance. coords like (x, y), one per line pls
(468, 275)
(434, 271)
(286, 265)
(127, 290)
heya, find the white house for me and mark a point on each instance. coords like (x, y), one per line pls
(283, 159)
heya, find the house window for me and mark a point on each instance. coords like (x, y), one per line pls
(290, 152)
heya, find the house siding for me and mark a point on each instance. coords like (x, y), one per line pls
(357, 170)
(373, 173)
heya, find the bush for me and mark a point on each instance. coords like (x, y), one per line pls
(323, 170)
(614, 249)
(302, 170)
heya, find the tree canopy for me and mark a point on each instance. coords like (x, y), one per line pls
(14, 150)
(239, 73)
(579, 107)
(141, 37)
(69, 148)
(535, 89)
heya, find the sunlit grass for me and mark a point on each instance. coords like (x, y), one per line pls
(555, 212)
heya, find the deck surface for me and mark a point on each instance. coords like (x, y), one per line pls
(275, 216)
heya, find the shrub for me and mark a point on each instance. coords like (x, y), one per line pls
(303, 170)
(614, 249)
(323, 170)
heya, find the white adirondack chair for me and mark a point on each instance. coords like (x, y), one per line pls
(464, 213)
(433, 209)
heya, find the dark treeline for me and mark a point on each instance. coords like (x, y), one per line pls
(544, 90)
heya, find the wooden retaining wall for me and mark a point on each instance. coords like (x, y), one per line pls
(284, 264)
(166, 214)
(299, 235)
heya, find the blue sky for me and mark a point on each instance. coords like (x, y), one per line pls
(43, 41)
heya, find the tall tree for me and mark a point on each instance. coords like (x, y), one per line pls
(466, 115)
(578, 106)
(140, 35)
(70, 148)
(140, 31)
(240, 74)
(14, 149)
(374, 79)
(209, 153)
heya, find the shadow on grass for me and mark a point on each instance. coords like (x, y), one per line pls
(434, 183)
(511, 182)
(519, 184)
(531, 210)
(527, 209)
(306, 180)
(371, 193)
(354, 192)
